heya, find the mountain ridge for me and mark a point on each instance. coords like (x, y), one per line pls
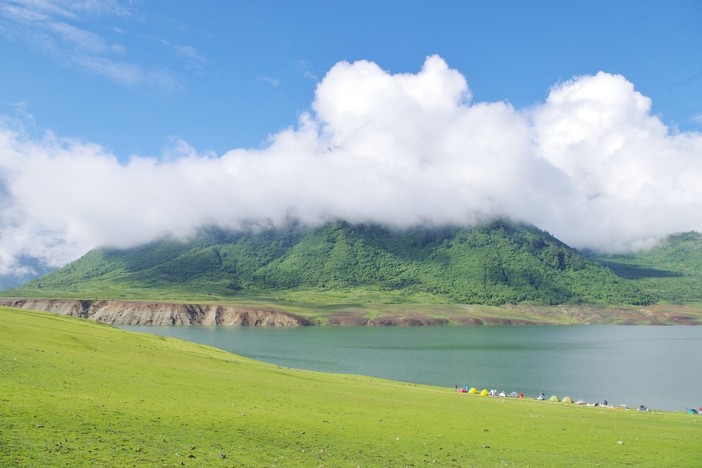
(494, 263)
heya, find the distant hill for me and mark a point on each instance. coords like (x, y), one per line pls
(32, 267)
(670, 271)
(497, 263)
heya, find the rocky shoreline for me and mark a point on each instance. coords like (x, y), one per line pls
(174, 314)
(158, 313)
(116, 312)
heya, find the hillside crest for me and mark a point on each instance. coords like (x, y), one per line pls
(495, 263)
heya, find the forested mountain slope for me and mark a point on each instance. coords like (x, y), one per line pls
(671, 271)
(496, 263)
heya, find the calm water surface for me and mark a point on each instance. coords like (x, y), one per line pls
(633, 365)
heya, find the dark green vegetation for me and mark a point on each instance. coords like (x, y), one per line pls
(79, 393)
(671, 271)
(497, 263)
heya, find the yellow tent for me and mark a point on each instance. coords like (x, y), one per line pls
(567, 399)
(473, 391)
(484, 393)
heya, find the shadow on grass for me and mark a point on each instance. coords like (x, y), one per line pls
(638, 272)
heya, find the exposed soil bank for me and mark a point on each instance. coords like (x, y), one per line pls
(165, 313)
(151, 313)
(157, 313)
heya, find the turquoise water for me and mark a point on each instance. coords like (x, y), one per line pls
(632, 365)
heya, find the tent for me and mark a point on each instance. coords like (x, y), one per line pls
(484, 392)
(473, 391)
(692, 411)
(553, 398)
(514, 394)
(567, 400)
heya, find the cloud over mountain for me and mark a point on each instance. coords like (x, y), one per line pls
(591, 164)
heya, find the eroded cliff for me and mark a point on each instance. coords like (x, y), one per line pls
(153, 313)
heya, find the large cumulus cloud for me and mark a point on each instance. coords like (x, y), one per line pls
(591, 164)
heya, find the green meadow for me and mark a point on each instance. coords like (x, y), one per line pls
(76, 393)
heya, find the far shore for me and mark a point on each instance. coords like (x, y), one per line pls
(273, 313)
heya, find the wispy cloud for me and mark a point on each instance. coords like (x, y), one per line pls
(71, 9)
(591, 164)
(76, 39)
(62, 29)
(303, 67)
(191, 56)
(275, 82)
(309, 75)
(129, 74)
(189, 53)
(19, 114)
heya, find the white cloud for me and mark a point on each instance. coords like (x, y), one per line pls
(630, 177)
(591, 165)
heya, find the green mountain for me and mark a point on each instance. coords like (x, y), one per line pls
(670, 271)
(497, 263)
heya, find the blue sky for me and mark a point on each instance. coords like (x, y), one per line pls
(226, 74)
(126, 121)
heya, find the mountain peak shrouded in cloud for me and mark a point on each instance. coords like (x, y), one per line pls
(591, 164)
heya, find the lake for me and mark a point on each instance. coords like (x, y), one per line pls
(632, 365)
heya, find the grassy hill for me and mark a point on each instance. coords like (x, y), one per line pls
(79, 393)
(670, 271)
(497, 263)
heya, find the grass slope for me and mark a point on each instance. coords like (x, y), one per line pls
(671, 270)
(78, 393)
(493, 264)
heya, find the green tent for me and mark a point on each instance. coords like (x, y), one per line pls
(553, 398)
(567, 400)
